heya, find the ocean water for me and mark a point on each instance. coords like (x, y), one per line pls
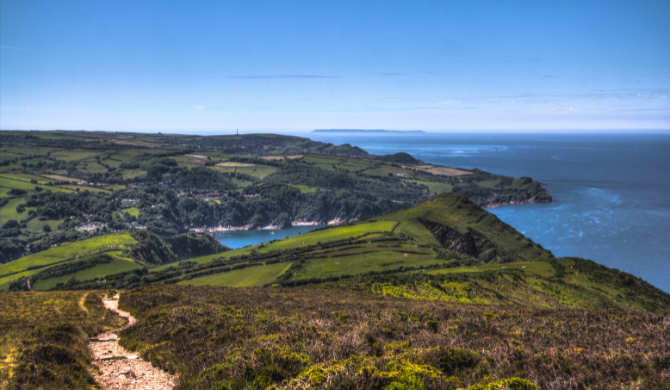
(611, 192)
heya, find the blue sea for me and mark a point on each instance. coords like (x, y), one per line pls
(611, 192)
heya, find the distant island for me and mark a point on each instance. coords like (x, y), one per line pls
(366, 131)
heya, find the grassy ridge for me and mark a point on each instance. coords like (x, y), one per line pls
(333, 234)
(458, 213)
(247, 277)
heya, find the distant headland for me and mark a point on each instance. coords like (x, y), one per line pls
(366, 131)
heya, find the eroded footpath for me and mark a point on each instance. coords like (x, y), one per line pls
(120, 369)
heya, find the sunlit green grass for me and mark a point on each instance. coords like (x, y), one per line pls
(362, 263)
(24, 177)
(8, 211)
(332, 234)
(457, 212)
(541, 268)
(134, 211)
(91, 166)
(115, 266)
(37, 226)
(69, 251)
(246, 277)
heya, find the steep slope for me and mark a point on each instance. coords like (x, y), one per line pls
(100, 256)
(455, 223)
(446, 248)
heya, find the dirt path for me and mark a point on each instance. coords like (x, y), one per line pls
(120, 369)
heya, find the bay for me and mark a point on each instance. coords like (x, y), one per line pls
(241, 238)
(611, 191)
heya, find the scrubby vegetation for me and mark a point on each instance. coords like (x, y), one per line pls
(337, 339)
(43, 339)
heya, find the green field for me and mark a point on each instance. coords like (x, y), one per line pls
(69, 251)
(7, 183)
(91, 166)
(36, 226)
(134, 211)
(259, 171)
(71, 155)
(322, 161)
(117, 265)
(384, 170)
(8, 211)
(332, 234)
(362, 263)
(133, 173)
(83, 188)
(25, 177)
(113, 163)
(246, 277)
(303, 188)
(435, 188)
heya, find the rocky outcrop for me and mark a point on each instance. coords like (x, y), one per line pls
(472, 243)
(535, 199)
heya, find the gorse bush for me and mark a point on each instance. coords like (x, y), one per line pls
(328, 338)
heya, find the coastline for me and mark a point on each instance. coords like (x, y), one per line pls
(336, 221)
(512, 202)
(222, 229)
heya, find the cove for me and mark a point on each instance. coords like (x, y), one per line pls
(241, 238)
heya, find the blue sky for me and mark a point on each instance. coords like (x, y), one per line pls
(196, 66)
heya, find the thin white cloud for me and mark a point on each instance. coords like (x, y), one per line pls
(286, 76)
(199, 107)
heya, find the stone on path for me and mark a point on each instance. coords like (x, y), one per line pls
(120, 369)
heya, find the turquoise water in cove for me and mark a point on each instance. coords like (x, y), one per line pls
(241, 238)
(611, 192)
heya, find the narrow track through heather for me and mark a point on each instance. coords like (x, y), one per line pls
(120, 369)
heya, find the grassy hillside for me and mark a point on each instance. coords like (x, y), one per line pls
(97, 257)
(327, 338)
(445, 249)
(67, 252)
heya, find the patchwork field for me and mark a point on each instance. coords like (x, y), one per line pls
(69, 251)
(117, 265)
(444, 171)
(247, 277)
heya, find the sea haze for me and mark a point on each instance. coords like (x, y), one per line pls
(611, 192)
